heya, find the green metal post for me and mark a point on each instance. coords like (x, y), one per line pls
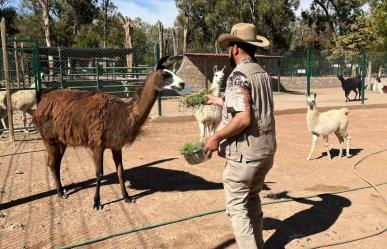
(97, 72)
(363, 75)
(157, 58)
(308, 72)
(36, 64)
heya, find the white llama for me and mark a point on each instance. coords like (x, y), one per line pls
(325, 123)
(377, 85)
(209, 116)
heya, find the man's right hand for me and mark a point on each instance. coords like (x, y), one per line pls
(213, 100)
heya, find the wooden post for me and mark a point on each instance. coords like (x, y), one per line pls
(7, 79)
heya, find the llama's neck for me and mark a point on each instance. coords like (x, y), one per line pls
(215, 89)
(312, 117)
(143, 105)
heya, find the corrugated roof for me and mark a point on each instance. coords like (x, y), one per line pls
(224, 54)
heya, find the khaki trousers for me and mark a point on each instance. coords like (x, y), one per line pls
(242, 183)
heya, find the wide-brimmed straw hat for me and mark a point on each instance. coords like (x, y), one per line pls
(243, 32)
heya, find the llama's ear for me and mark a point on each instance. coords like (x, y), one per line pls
(315, 95)
(162, 61)
(215, 68)
(223, 68)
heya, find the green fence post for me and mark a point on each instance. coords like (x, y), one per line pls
(363, 74)
(36, 65)
(97, 73)
(308, 72)
(157, 58)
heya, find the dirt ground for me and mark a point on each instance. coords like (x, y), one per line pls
(168, 188)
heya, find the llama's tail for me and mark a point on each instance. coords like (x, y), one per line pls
(345, 110)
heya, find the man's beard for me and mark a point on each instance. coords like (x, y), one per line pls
(232, 61)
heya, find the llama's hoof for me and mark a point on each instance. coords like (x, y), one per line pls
(97, 205)
(62, 194)
(308, 159)
(130, 200)
(348, 156)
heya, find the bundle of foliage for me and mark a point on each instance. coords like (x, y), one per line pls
(191, 148)
(196, 100)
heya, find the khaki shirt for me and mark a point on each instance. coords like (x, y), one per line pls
(258, 140)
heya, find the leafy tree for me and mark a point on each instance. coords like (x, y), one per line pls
(9, 14)
(332, 16)
(209, 18)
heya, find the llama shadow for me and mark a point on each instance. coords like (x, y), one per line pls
(335, 153)
(144, 177)
(355, 100)
(316, 219)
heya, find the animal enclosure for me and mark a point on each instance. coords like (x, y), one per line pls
(168, 188)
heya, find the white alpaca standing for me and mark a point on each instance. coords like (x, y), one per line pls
(325, 123)
(209, 116)
(377, 85)
(22, 100)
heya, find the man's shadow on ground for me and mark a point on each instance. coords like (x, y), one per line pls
(316, 219)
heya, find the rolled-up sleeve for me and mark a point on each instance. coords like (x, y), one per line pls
(235, 96)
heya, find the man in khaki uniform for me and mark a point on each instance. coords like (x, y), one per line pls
(247, 137)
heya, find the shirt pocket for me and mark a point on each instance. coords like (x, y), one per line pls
(265, 124)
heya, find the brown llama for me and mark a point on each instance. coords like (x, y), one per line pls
(98, 121)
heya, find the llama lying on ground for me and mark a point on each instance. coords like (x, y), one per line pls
(98, 121)
(209, 116)
(350, 84)
(325, 123)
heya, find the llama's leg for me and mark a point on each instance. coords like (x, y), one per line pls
(24, 117)
(356, 94)
(202, 131)
(314, 140)
(341, 141)
(55, 153)
(98, 161)
(348, 138)
(346, 96)
(117, 157)
(327, 146)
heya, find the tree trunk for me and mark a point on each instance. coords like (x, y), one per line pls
(185, 33)
(128, 25)
(369, 75)
(105, 10)
(380, 71)
(161, 38)
(175, 35)
(47, 30)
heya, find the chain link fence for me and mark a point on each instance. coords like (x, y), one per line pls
(122, 72)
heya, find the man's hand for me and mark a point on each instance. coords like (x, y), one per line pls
(213, 100)
(211, 145)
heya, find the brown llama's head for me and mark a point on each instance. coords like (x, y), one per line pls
(165, 78)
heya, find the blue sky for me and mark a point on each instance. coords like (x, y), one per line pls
(153, 10)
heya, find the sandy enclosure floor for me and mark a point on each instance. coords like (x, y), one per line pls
(167, 188)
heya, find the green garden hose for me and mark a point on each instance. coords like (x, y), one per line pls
(133, 230)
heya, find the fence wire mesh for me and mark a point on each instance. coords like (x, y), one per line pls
(122, 72)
